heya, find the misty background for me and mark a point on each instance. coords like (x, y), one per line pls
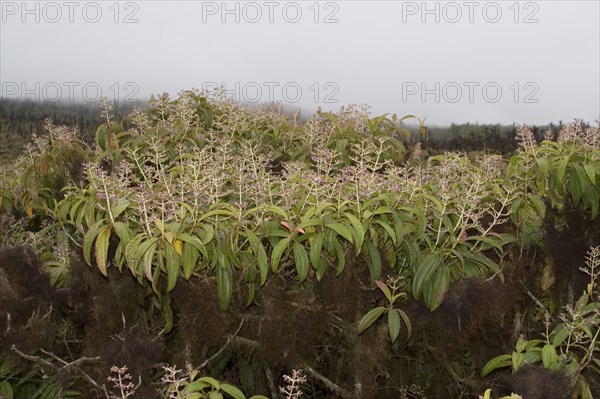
(450, 62)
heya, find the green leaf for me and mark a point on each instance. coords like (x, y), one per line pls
(194, 241)
(215, 395)
(590, 171)
(389, 230)
(88, 240)
(234, 392)
(538, 204)
(278, 252)
(120, 207)
(393, 324)
(517, 360)
(148, 257)
(495, 363)
(101, 249)
(406, 321)
(384, 288)
(358, 229)
(224, 286)
(549, 358)
(370, 318)
(560, 335)
(375, 264)
(424, 272)
(438, 288)
(301, 260)
(488, 263)
(341, 256)
(562, 167)
(342, 230)
(316, 246)
(172, 267)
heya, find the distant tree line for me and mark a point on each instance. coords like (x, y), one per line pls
(20, 120)
(491, 138)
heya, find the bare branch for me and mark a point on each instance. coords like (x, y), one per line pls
(229, 339)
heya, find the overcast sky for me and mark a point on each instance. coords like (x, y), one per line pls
(465, 61)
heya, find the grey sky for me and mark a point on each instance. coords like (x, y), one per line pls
(527, 62)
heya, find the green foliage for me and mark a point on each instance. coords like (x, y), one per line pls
(396, 317)
(571, 344)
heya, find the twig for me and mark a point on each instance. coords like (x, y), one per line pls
(537, 301)
(329, 384)
(270, 382)
(66, 365)
(229, 339)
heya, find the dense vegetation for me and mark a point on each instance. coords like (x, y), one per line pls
(232, 244)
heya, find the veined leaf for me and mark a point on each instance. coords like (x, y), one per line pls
(224, 286)
(301, 260)
(120, 207)
(234, 392)
(495, 363)
(172, 267)
(101, 249)
(388, 229)
(375, 264)
(549, 358)
(341, 257)
(359, 231)
(370, 318)
(316, 246)
(384, 288)
(190, 259)
(424, 272)
(342, 230)
(278, 250)
(88, 240)
(148, 257)
(393, 324)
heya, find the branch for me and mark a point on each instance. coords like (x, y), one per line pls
(229, 339)
(270, 382)
(329, 384)
(66, 365)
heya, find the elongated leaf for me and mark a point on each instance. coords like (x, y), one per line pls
(234, 392)
(342, 230)
(101, 249)
(120, 207)
(393, 324)
(424, 272)
(190, 260)
(172, 267)
(316, 246)
(358, 229)
(384, 288)
(560, 172)
(278, 252)
(341, 257)
(538, 204)
(148, 257)
(406, 321)
(496, 363)
(438, 288)
(224, 286)
(549, 358)
(301, 260)
(375, 264)
(88, 240)
(389, 230)
(370, 318)
(488, 263)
